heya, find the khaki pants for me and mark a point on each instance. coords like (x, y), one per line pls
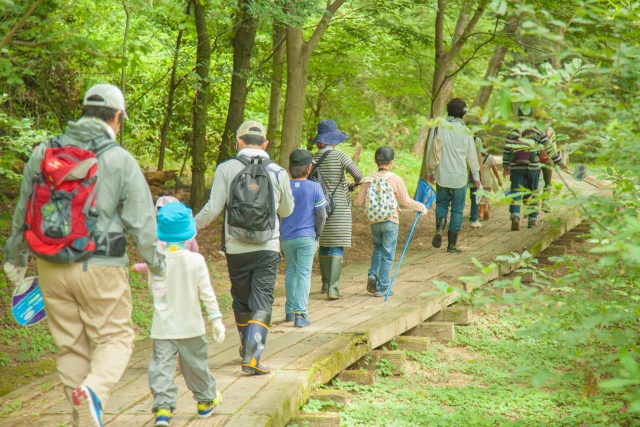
(89, 315)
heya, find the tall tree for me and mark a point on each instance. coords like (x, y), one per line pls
(243, 40)
(275, 98)
(495, 64)
(445, 60)
(298, 54)
(173, 84)
(200, 105)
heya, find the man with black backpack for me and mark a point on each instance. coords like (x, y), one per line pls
(81, 194)
(521, 161)
(255, 191)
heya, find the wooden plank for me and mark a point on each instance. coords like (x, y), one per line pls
(243, 420)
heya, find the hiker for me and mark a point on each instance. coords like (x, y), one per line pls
(251, 235)
(547, 167)
(521, 161)
(380, 194)
(492, 183)
(299, 235)
(336, 234)
(83, 273)
(191, 244)
(474, 212)
(457, 149)
(178, 328)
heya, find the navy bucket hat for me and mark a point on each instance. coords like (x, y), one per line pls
(329, 134)
(175, 223)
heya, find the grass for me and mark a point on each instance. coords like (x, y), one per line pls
(488, 376)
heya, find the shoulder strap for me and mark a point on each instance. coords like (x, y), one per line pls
(322, 158)
(243, 160)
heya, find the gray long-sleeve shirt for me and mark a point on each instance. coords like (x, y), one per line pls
(123, 195)
(225, 172)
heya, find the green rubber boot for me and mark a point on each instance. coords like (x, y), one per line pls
(325, 271)
(334, 277)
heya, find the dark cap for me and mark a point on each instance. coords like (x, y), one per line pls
(300, 157)
(384, 154)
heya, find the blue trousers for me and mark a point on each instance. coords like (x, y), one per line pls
(385, 239)
(524, 179)
(331, 251)
(299, 254)
(454, 198)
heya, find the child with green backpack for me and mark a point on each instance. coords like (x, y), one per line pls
(380, 195)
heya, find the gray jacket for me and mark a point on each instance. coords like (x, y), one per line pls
(123, 199)
(225, 173)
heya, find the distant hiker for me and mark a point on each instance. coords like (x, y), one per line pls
(492, 182)
(178, 328)
(380, 194)
(255, 191)
(299, 236)
(474, 212)
(337, 231)
(547, 167)
(191, 244)
(81, 247)
(521, 161)
(457, 150)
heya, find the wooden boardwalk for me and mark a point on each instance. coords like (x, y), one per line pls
(341, 332)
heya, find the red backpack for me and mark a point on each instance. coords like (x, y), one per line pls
(61, 217)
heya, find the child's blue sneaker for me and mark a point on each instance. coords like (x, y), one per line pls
(301, 321)
(289, 317)
(372, 282)
(383, 293)
(87, 406)
(163, 417)
(205, 409)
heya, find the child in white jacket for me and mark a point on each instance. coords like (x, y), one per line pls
(178, 327)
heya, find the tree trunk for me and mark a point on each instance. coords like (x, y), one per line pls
(297, 74)
(298, 55)
(201, 103)
(275, 100)
(495, 65)
(172, 92)
(243, 40)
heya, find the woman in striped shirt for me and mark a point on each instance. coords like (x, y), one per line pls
(336, 234)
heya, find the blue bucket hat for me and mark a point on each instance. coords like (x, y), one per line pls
(329, 134)
(175, 223)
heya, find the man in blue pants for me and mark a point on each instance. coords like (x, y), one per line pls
(458, 151)
(521, 161)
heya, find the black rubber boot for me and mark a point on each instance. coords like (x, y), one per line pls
(437, 239)
(334, 277)
(256, 338)
(453, 239)
(242, 321)
(325, 271)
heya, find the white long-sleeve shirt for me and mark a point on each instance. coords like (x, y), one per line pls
(458, 151)
(187, 284)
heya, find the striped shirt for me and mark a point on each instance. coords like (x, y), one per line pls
(337, 229)
(532, 141)
(399, 190)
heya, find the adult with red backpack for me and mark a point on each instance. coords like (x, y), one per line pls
(521, 160)
(254, 191)
(81, 194)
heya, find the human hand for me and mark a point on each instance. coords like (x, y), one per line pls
(352, 185)
(478, 184)
(431, 179)
(14, 273)
(564, 167)
(506, 172)
(217, 330)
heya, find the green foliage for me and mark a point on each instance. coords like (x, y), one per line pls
(384, 368)
(485, 380)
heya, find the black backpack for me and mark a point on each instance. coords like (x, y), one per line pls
(251, 206)
(316, 176)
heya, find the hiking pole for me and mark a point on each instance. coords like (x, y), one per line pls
(406, 245)
(427, 196)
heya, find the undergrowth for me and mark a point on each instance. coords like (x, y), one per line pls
(485, 377)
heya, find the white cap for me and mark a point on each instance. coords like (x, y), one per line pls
(111, 95)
